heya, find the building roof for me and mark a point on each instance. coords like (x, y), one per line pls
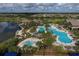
(74, 22)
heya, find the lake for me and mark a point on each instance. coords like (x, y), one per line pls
(7, 30)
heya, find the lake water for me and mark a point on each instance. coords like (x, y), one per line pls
(7, 30)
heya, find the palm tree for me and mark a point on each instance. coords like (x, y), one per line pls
(28, 50)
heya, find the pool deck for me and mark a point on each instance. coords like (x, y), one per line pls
(22, 43)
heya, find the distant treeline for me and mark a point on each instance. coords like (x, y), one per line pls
(41, 15)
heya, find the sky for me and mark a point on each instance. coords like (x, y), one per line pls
(39, 7)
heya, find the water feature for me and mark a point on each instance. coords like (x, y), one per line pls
(7, 30)
(41, 29)
(62, 36)
(29, 43)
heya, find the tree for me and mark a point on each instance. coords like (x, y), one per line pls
(48, 41)
(28, 50)
(77, 42)
(39, 44)
(9, 46)
(76, 48)
(12, 49)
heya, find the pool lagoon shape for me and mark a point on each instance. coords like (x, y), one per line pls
(62, 36)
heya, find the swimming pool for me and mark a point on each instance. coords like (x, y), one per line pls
(62, 36)
(29, 43)
(41, 29)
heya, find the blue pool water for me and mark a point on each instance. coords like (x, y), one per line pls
(29, 43)
(63, 36)
(41, 29)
